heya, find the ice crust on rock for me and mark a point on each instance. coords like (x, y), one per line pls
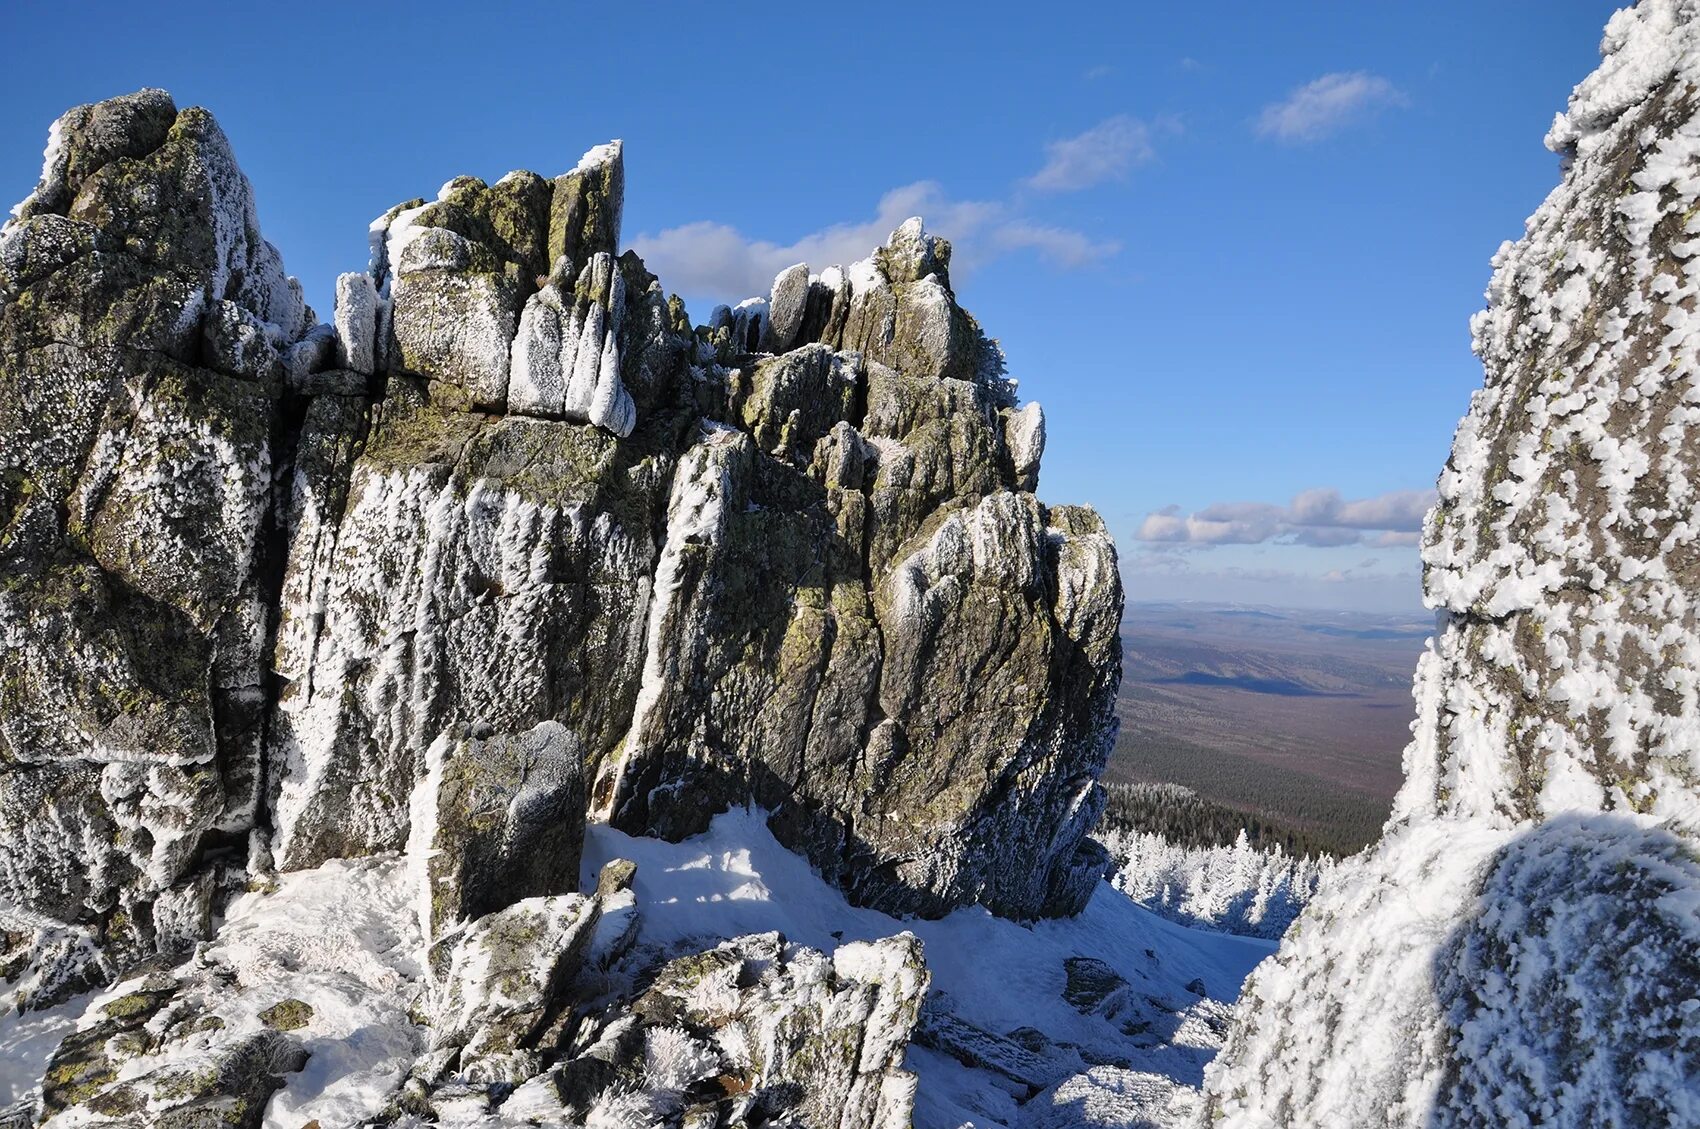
(683, 541)
(1460, 973)
(384, 612)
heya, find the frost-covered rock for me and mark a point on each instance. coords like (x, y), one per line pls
(507, 978)
(758, 1028)
(1521, 947)
(681, 551)
(586, 205)
(481, 572)
(513, 508)
(356, 322)
(141, 328)
(496, 821)
(786, 306)
(299, 1009)
(566, 359)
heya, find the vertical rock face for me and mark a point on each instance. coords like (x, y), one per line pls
(1523, 946)
(506, 546)
(144, 332)
(814, 578)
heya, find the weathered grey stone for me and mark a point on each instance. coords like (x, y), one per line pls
(509, 974)
(948, 1033)
(498, 820)
(511, 559)
(615, 876)
(237, 343)
(121, 1067)
(88, 137)
(140, 362)
(786, 306)
(757, 1028)
(585, 207)
(197, 484)
(1090, 983)
(356, 322)
(1024, 433)
(458, 272)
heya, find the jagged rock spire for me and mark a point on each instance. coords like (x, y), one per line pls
(255, 568)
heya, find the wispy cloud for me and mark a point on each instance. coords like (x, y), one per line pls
(718, 260)
(1093, 74)
(1107, 151)
(1320, 518)
(1325, 105)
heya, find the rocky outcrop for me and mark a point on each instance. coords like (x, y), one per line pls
(1523, 946)
(505, 547)
(146, 330)
(750, 1031)
(727, 576)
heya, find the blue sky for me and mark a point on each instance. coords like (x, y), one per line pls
(1232, 248)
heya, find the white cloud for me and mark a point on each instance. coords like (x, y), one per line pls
(1093, 74)
(714, 259)
(1324, 105)
(1105, 152)
(1401, 510)
(1318, 518)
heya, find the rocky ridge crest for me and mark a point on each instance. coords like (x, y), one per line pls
(506, 546)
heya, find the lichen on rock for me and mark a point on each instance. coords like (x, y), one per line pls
(402, 601)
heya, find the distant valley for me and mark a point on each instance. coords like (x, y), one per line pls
(1297, 718)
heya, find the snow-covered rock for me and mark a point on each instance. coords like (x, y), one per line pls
(389, 608)
(1522, 946)
(505, 980)
(144, 321)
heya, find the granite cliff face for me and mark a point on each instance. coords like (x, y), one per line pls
(1523, 947)
(507, 546)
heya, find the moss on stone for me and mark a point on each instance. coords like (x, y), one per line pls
(287, 1015)
(137, 1006)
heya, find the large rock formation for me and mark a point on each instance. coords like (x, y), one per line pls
(506, 546)
(729, 577)
(146, 336)
(1524, 945)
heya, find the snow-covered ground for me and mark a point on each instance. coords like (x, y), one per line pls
(997, 974)
(343, 938)
(27, 1041)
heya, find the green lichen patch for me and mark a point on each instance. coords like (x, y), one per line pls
(287, 1015)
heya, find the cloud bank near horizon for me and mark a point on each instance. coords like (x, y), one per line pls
(1320, 518)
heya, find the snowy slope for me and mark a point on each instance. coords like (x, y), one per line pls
(343, 938)
(996, 974)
